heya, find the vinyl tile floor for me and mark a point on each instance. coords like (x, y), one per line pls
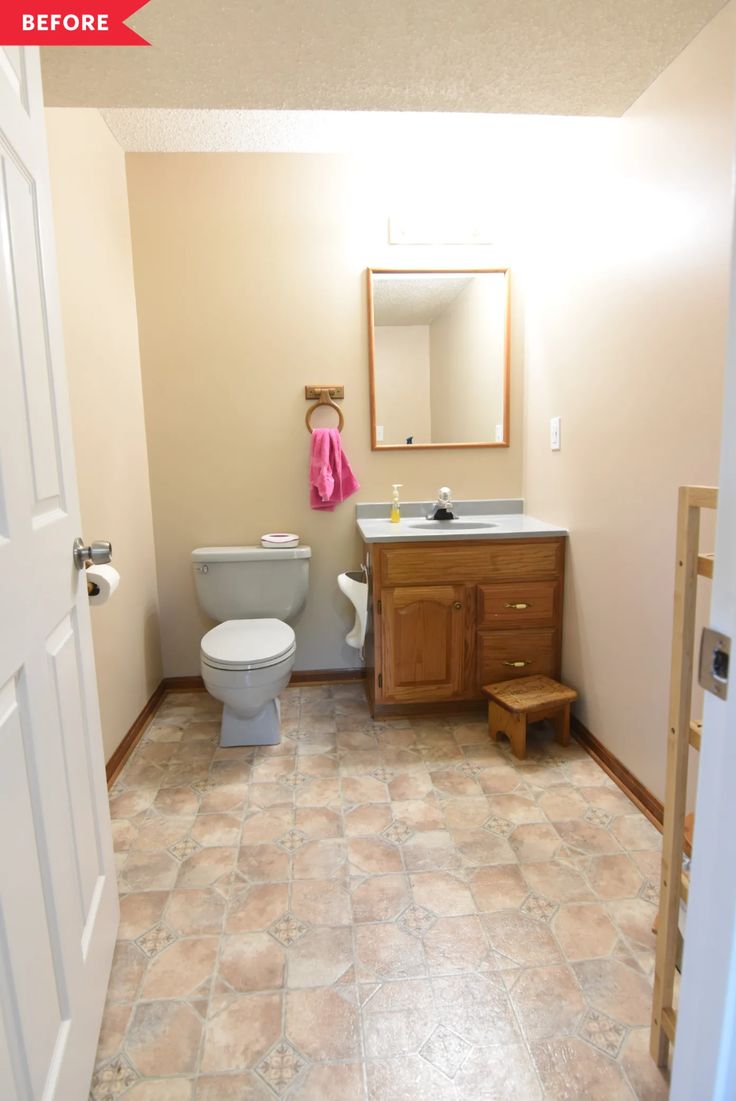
(375, 911)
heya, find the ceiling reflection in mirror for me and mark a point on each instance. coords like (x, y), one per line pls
(439, 358)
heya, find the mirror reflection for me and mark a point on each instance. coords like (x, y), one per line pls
(439, 358)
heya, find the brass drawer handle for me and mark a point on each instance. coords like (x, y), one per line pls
(457, 605)
(517, 606)
(516, 664)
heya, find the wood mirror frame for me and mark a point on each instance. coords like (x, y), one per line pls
(370, 272)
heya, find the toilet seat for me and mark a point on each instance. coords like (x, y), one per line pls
(248, 644)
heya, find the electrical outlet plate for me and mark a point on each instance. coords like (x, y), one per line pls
(499, 433)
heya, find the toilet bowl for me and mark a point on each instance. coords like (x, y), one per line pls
(246, 663)
(354, 585)
(253, 593)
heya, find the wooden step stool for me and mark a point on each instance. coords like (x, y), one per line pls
(514, 703)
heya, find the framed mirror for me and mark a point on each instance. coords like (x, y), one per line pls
(439, 357)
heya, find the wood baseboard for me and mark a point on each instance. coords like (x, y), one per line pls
(299, 676)
(327, 676)
(648, 803)
(183, 684)
(127, 745)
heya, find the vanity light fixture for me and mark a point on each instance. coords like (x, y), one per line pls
(432, 229)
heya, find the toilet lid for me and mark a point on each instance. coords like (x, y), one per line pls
(247, 643)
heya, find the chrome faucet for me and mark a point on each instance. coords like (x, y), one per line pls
(443, 508)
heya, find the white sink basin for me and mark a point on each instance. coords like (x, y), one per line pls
(451, 525)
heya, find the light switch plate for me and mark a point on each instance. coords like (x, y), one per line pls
(554, 433)
(499, 433)
(379, 433)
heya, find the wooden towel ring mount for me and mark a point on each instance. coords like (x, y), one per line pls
(324, 395)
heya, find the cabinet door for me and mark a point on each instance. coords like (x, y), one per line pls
(423, 642)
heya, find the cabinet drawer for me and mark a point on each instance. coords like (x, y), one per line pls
(526, 603)
(498, 650)
(471, 563)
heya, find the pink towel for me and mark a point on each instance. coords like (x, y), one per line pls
(330, 478)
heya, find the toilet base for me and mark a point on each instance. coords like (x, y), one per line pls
(262, 729)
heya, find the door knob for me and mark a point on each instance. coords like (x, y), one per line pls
(98, 553)
(457, 605)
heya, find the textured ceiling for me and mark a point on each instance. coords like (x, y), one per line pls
(414, 300)
(399, 134)
(569, 57)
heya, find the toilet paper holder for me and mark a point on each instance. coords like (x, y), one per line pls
(99, 553)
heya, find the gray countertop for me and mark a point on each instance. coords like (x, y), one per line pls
(488, 523)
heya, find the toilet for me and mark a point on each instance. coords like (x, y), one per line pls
(246, 660)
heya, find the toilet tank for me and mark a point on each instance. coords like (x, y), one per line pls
(251, 582)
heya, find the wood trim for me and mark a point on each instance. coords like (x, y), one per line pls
(183, 684)
(327, 676)
(647, 803)
(129, 742)
(506, 442)
(431, 446)
(505, 271)
(299, 676)
(372, 359)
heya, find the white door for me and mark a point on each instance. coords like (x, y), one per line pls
(704, 1066)
(58, 901)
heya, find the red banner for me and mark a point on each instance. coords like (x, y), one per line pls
(69, 23)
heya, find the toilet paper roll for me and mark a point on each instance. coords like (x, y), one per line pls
(106, 579)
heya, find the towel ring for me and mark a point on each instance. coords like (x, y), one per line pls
(324, 399)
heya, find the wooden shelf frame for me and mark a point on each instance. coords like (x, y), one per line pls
(683, 732)
(705, 565)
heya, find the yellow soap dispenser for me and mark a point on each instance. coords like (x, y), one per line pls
(395, 506)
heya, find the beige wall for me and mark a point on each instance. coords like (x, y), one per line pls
(626, 343)
(250, 280)
(467, 363)
(101, 342)
(250, 283)
(402, 382)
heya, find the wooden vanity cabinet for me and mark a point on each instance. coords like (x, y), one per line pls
(447, 618)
